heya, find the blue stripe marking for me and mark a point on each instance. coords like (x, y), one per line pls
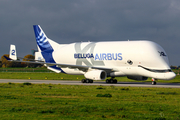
(45, 47)
(49, 59)
(41, 39)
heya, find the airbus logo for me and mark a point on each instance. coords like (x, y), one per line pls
(108, 56)
(100, 56)
(162, 53)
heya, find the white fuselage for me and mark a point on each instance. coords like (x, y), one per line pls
(126, 58)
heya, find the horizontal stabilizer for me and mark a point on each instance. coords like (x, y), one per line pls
(7, 58)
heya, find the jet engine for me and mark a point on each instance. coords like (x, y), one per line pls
(96, 75)
(137, 77)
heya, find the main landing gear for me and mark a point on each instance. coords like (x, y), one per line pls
(112, 80)
(153, 81)
(86, 81)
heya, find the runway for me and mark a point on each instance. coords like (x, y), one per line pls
(98, 83)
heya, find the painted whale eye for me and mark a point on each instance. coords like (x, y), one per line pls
(130, 62)
(162, 53)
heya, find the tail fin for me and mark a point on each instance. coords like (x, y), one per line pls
(42, 39)
(12, 52)
(46, 47)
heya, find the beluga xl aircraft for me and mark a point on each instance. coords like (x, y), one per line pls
(137, 60)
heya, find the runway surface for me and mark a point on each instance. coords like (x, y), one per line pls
(68, 82)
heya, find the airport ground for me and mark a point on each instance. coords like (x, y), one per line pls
(27, 100)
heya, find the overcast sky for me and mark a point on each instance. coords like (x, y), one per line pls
(67, 21)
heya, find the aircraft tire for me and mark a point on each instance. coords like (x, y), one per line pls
(107, 80)
(111, 81)
(90, 81)
(87, 81)
(153, 82)
(83, 80)
(115, 81)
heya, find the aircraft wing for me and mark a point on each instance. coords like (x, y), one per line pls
(80, 67)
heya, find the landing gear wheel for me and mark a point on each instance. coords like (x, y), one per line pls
(86, 81)
(90, 81)
(107, 80)
(153, 82)
(83, 80)
(115, 81)
(112, 80)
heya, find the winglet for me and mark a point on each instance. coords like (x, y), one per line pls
(12, 52)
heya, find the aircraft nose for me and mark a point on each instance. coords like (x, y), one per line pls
(170, 75)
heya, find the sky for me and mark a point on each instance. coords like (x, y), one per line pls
(68, 21)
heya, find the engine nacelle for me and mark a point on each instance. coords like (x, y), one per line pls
(137, 77)
(96, 75)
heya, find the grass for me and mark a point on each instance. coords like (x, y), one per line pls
(24, 70)
(47, 101)
(39, 76)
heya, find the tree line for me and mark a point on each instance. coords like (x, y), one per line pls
(4, 63)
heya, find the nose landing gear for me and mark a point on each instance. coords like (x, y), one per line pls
(153, 81)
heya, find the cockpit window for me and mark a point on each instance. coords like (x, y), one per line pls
(156, 71)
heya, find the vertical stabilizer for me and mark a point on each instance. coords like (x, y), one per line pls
(42, 39)
(46, 48)
(12, 52)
